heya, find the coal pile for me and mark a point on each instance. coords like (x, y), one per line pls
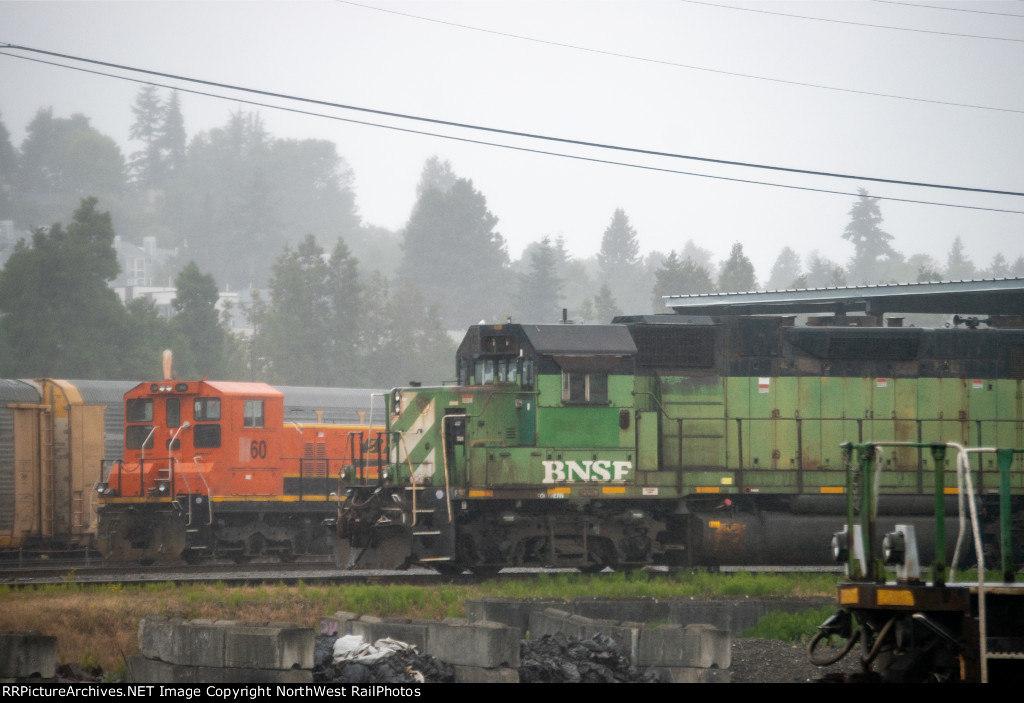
(567, 659)
(405, 666)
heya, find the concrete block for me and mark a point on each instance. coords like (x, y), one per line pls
(549, 621)
(510, 611)
(268, 646)
(337, 624)
(713, 647)
(635, 609)
(142, 670)
(199, 643)
(157, 637)
(27, 653)
(411, 632)
(485, 644)
(692, 646)
(476, 674)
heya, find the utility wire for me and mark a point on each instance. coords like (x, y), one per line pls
(513, 133)
(949, 9)
(661, 62)
(528, 150)
(858, 24)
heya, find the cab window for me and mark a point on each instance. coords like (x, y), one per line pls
(584, 387)
(135, 435)
(206, 409)
(253, 413)
(138, 410)
(173, 412)
(206, 437)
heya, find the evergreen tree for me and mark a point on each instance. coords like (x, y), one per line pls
(785, 270)
(347, 300)
(699, 255)
(620, 248)
(60, 160)
(737, 274)
(60, 317)
(870, 242)
(680, 277)
(294, 337)
(455, 256)
(1017, 269)
(959, 266)
(8, 172)
(823, 273)
(436, 175)
(172, 138)
(604, 305)
(147, 335)
(147, 164)
(540, 288)
(198, 324)
(999, 268)
(406, 340)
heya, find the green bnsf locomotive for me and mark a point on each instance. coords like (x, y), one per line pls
(672, 439)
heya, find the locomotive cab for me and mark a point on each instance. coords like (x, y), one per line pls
(211, 469)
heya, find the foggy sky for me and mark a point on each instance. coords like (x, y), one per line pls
(345, 53)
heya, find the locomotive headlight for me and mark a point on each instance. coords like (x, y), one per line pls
(161, 487)
(101, 488)
(343, 474)
(385, 474)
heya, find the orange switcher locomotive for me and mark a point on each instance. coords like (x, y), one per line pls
(213, 470)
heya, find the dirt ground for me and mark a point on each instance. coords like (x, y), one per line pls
(773, 661)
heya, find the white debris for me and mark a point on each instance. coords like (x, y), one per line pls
(351, 648)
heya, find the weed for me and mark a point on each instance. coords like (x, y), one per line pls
(790, 627)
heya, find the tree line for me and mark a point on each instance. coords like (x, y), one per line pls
(337, 301)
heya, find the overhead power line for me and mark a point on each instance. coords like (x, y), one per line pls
(949, 9)
(514, 133)
(527, 150)
(675, 64)
(858, 24)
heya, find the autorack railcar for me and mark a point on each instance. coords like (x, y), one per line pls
(53, 435)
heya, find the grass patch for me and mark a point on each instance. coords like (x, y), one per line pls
(790, 627)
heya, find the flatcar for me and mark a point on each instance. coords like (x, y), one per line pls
(908, 629)
(229, 470)
(705, 437)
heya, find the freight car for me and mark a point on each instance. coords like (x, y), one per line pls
(707, 437)
(231, 470)
(53, 435)
(909, 630)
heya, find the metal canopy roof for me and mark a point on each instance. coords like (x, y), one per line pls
(1000, 296)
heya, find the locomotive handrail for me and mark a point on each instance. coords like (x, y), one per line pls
(444, 454)
(412, 475)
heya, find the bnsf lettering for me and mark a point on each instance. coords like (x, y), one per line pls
(601, 470)
(372, 445)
